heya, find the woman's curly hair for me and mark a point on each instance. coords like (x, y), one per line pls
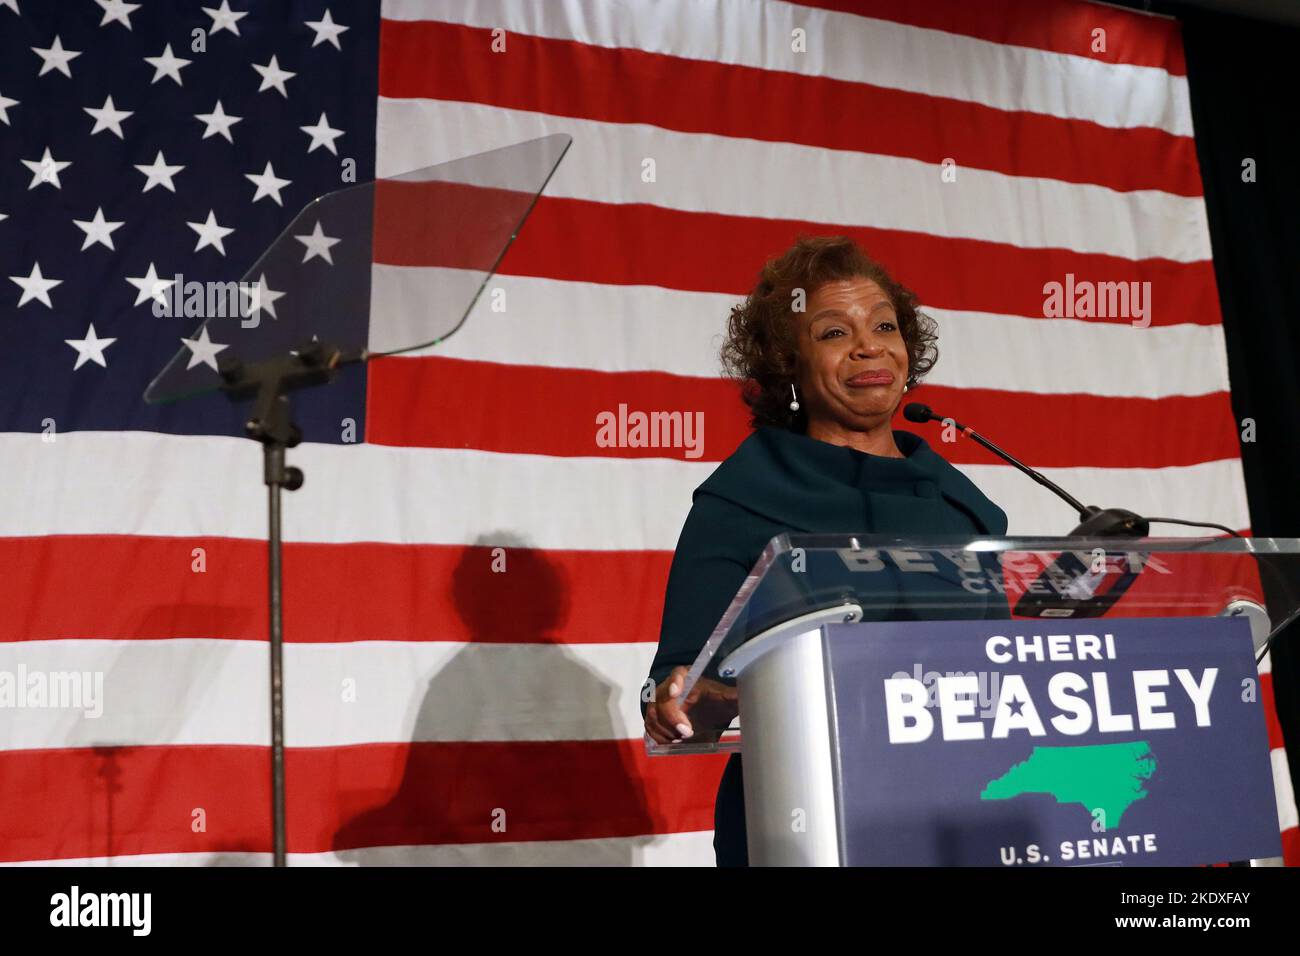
(760, 350)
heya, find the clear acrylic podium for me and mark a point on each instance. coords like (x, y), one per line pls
(773, 644)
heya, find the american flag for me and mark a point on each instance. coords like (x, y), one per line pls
(473, 580)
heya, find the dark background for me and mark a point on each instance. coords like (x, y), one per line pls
(1243, 87)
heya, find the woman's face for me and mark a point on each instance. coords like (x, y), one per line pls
(852, 358)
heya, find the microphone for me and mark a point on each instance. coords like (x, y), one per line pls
(1094, 522)
(1082, 595)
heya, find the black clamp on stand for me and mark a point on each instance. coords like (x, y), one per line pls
(269, 384)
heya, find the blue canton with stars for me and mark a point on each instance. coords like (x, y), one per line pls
(142, 140)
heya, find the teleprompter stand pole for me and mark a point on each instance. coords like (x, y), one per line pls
(271, 423)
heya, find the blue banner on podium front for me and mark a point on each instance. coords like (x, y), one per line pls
(1137, 742)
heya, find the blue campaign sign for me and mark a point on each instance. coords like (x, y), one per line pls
(1137, 741)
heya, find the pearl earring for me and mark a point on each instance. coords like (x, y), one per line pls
(904, 388)
(794, 399)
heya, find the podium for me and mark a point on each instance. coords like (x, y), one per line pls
(1022, 701)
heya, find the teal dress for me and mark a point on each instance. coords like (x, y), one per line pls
(780, 481)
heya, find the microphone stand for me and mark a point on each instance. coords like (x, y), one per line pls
(1094, 522)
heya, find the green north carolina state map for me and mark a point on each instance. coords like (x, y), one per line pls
(1106, 777)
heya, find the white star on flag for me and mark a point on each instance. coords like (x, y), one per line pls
(97, 230)
(5, 103)
(35, 286)
(322, 134)
(260, 296)
(45, 170)
(267, 183)
(167, 64)
(223, 18)
(210, 233)
(11, 4)
(117, 10)
(203, 350)
(327, 30)
(159, 174)
(318, 244)
(55, 57)
(218, 122)
(108, 117)
(273, 76)
(90, 349)
(150, 286)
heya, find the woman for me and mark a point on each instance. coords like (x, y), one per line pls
(826, 345)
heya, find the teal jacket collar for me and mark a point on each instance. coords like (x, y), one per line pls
(813, 486)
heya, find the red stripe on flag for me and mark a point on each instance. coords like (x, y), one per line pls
(544, 411)
(122, 801)
(537, 410)
(447, 61)
(1291, 846)
(637, 244)
(414, 215)
(1059, 27)
(79, 586)
(1267, 700)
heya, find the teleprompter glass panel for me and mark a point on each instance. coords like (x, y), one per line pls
(388, 266)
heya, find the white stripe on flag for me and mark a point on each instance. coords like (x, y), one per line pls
(106, 483)
(845, 47)
(1287, 814)
(692, 848)
(701, 172)
(206, 691)
(617, 328)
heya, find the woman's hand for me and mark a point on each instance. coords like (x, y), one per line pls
(711, 703)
